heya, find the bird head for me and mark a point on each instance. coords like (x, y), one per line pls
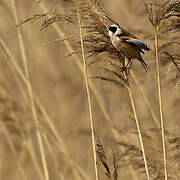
(114, 29)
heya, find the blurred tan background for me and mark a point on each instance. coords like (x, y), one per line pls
(59, 85)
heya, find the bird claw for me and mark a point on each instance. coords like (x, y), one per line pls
(123, 69)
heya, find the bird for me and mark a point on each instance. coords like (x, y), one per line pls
(128, 44)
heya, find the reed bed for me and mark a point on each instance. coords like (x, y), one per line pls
(67, 110)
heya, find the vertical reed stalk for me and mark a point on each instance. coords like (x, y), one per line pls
(156, 31)
(32, 103)
(88, 92)
(156, 23)
(138, 127)
(160, 103)
(139, 133)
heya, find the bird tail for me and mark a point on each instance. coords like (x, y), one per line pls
(143, 63)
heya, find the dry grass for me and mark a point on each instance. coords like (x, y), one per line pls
(45, 131)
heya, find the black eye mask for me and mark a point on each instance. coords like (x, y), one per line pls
(112, 29)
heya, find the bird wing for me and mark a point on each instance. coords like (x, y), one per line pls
(139, 44)
(130, 38)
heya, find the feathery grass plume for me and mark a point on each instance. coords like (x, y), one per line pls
(173, 62)
(161, 12)
(102, 158)
(110, 173)
(152, 141)
(97, 42)
(169, 26)
(96, 39)
(165, 16)
(162, 15)
(54, 17)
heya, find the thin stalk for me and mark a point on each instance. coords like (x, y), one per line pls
(156, 30)
(160, 103)
(88, 92)
(32, 153)
(137, 125)
(32, 103)
(139, 133)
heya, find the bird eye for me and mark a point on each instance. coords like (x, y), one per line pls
(112, 29)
